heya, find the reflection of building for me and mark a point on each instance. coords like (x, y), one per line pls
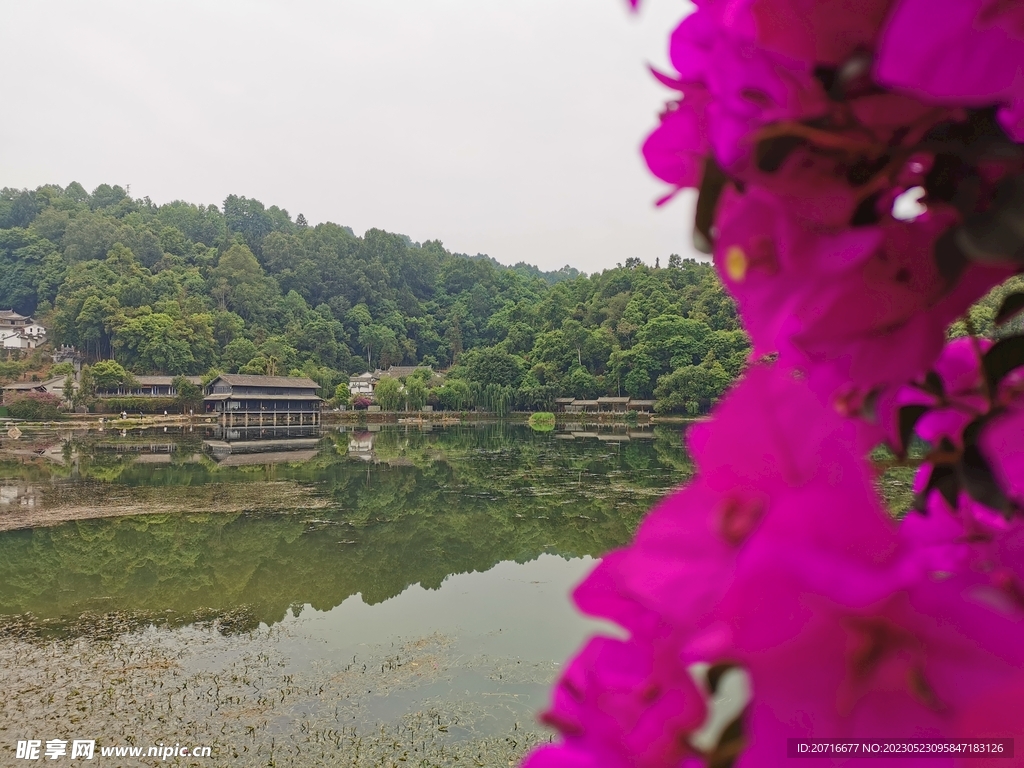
(360, 445)
(240, 446)
(20, 496)
(244, 401)
(578, 432)
(146, 451)
(19, 332)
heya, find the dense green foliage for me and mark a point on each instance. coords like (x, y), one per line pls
(133, 405)
(183, 289)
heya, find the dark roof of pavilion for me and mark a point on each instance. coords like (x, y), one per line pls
(248, 380)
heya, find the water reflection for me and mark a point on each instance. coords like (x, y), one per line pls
(19, 495)
(368, 596)
(372, 513)
(242, 446)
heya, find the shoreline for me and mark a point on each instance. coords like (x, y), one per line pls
(89, 422)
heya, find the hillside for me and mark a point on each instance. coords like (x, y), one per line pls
(185, 289)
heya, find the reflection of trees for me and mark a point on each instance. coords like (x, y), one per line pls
(439, 503)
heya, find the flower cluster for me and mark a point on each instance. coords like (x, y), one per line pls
(860, 186)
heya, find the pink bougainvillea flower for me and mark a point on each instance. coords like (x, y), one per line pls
(835, 303)
(754, 495)
(939, 537)
(673, 572)
(779, 557)
(676, 150)
(827, 32)
(906, 667)
(751, 88)
(769, 261)
(944, 540)
(963, 397)
(746, 88)
(957, 52)
(691, 45)
(992, 716)
(624, 703)
(1002, 444)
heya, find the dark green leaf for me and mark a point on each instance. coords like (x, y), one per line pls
(950, 260)
(981, 484)
(943, 479)
(770, 154)
(1004, 356)
(1012, 304)
(976, 475)
(711, 188)
(909, 415)
(933, 384)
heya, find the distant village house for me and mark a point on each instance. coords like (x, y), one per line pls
(53, 387)
(19, 332)
(363, 384)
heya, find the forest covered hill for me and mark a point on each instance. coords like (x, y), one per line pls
(182, 288)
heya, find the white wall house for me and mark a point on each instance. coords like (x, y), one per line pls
(19, 332)
(11, 339)
(362, 384)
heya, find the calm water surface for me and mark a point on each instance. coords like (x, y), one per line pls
(348, 597)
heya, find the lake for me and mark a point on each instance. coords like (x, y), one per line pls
(303, 598)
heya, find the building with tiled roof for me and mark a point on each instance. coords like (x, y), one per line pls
(19, 331)
(249, 400)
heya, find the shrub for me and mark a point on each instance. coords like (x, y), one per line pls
(137, 404)
(34, 406)
(542, 421)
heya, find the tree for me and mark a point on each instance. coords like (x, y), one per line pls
(109, 375)
(34, 406)
(86, 391)
(239, 284)
(415, 393)
(69, 389)
(453, 395)
(492, 365)
(389, 394)
(238, 353)
(380, 341)
(182, 288)
(106, 196)
(249, 218)
(342, 394)
(691, 389)
(189, 395)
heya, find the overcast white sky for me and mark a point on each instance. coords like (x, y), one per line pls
(507, 128)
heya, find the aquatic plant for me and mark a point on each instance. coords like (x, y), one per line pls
(542, 421)
(860, 185)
